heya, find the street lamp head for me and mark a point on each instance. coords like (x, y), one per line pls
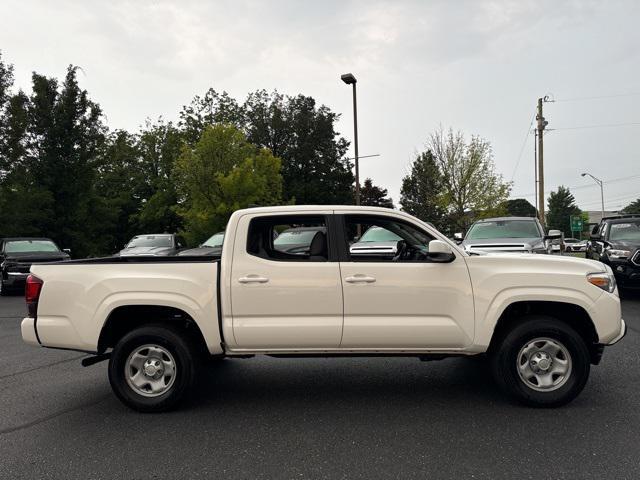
(348, 78)
(583, 174)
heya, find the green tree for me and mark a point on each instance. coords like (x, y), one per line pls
(471, 188)
(159, 145)
(421, 191)
(519, 207)
(633, 207)
(374, 196)
(294, 129)
(561, 206)
(118, 188)
(222, 173)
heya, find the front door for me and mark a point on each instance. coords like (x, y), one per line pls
(285, 286)
(394, 297)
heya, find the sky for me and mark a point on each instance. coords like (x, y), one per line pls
(474, 66)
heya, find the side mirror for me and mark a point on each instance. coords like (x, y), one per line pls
(440, 252)
(595, 236)
(553, 234)
(458, 237)
(67, 250)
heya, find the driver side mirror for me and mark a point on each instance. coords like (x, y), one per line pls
(595, 236)
(440, 252)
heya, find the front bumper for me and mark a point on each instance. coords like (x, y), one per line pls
(15, 279)
(623, 332)
(627, 274)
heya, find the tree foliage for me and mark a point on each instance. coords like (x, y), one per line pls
(295, 129)
(519, 207)
(561, 206)
(222, 173)
(633, 207)
(471, 187)
(374, 196)
(421, 191)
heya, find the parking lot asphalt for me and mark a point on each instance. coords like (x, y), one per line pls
(314, 418)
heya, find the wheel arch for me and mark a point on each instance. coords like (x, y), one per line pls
(123, 319)
(569, 313)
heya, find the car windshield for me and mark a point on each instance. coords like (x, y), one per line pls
(20, 246)
(295, 237)
(150, 241)
(215, 240)
(379, 234)
(504, 229)
(625, 231)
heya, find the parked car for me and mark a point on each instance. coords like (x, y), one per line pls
(508, 234)
(572, 245)
(296, 240)
(542, 321)
(615, 241)
(18, 253)
(212, 247)
(163, 244)
(376, 241)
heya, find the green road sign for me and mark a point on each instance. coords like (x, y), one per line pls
(576, 223)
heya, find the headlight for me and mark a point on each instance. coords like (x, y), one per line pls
(604, 280)
(619, 254)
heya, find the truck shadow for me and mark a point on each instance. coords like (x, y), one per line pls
(352, 382)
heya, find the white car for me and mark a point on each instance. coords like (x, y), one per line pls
(542, 320)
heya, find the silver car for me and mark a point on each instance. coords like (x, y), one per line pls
(508, 234)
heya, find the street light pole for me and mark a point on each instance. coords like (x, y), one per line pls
(599, 182)
(349, 79)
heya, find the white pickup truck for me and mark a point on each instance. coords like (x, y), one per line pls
(542, 320)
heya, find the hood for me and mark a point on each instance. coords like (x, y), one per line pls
(551, 261)
(202, 252)
(624, 245)
(32, 257)
(133, 251)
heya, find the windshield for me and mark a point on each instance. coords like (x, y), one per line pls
(215, 240)
(379, 234)
(150, 241)
(504, 229)
(295, 237)
(20, 246)
(629, 232)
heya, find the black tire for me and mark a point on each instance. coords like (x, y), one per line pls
(504, 361)
(3, 289)
(177, 343)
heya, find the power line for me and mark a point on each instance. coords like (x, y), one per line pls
(598, 97)
(606, 125)
(579, 187)
(524, 143)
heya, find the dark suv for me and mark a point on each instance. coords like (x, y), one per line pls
(18, 253)
(616, 242)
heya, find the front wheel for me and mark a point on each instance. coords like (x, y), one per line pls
(542, 362)
(152, 368)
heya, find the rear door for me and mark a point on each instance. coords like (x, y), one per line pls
(403, 301)
(285, 286)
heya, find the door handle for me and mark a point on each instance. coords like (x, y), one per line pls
(360, 279)
(253, 279)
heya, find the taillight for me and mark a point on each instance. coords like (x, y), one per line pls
(32, 294)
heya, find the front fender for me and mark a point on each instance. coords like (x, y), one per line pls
(508, 296)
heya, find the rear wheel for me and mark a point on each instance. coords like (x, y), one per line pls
(542, 362)
(152, 368)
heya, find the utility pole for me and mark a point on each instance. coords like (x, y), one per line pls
(541, 124)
